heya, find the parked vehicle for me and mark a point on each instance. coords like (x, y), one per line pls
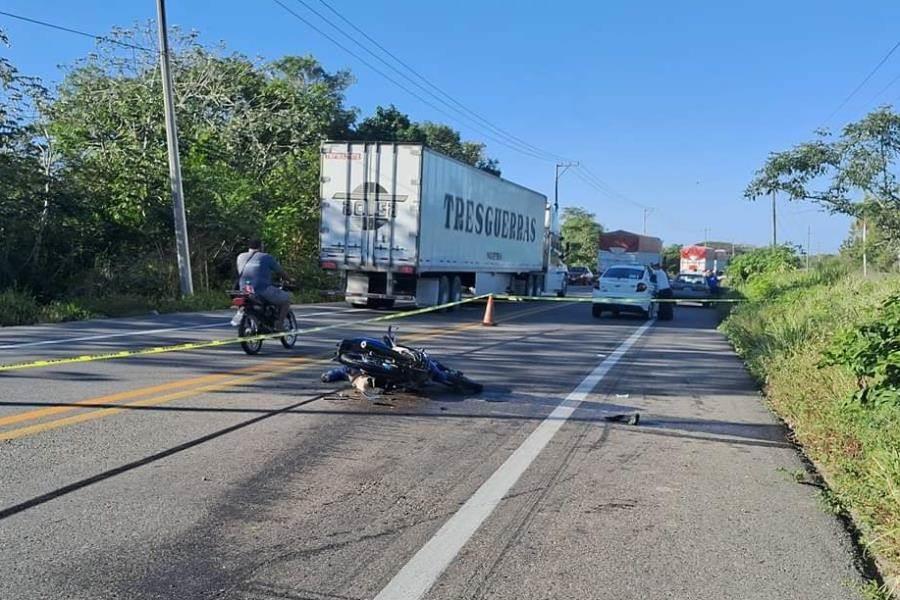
(408, 224)
(700, 259)
(255, 316)
(691, 286)
(580, 276)
(624, 247)
(384, 364)
(625, 288)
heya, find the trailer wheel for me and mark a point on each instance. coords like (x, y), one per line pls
(455, 294)
(529, 286)
(443, 290)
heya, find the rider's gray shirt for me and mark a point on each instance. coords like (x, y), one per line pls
(257, 268)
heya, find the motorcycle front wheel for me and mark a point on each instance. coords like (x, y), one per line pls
(288, 341)
(249, 327)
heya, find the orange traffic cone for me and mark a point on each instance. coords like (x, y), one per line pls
(488, 320)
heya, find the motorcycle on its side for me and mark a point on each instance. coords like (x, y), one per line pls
(373, 364)
(255, 316)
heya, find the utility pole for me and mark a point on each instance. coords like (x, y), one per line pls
(181, 234)
(565, 167)
(808, 244)
(865, 260)
(774, 222)
(705, 237)
(647, 212)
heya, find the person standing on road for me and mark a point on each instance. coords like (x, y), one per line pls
(666, 309)
(713, 282)
(255, 268)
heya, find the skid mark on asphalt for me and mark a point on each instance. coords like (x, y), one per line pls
(520, 524)
(422, 571)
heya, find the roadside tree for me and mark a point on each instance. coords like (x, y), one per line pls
(580, 231)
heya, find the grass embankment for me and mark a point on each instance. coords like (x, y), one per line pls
(21, 308)
(824, 345)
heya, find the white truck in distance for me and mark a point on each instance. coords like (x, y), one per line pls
(700, 259)
(622, 247)
(408, 224)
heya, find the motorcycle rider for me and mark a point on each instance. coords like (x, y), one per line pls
(255, 268)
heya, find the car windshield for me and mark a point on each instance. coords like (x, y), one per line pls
(578, 270)
(623, 273)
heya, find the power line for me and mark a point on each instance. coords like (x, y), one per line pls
(439, 98)
(885, 88)
(77, 32)
(588, 177)
(400, 85)
(861, 84)
(433, 86)
(598, 184)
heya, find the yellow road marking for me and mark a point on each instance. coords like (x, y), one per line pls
(153, 401)
(270, 372)
(128, 394)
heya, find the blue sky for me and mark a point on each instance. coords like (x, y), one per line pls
(672, 104)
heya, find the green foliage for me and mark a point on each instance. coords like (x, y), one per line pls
(882, 252)
(201, 301)
(389, 124)
(873, 590)
(671, 259)
(871, 351)
(86, 207)
(61, 311)
(19, 308)
(761, 261)
(811, 340)
(833, 173)
(580, 231)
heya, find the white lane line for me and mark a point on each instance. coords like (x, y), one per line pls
(421, 572)
(105, 336)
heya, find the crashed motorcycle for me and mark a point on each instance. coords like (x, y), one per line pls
(371, 364)
(255, 316)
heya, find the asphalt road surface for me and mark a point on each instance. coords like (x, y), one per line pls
(211, 474)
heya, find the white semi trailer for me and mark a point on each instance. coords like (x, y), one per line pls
(408, 224)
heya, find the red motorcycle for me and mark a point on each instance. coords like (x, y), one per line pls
(255, 316)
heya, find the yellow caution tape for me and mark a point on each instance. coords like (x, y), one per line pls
(53, 362)
(611, 299)
(84, 358)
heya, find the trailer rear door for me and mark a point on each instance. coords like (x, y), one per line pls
(370, 204)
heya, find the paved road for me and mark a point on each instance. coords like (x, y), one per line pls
(216, 475)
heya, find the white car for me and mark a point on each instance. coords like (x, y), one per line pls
(625, 288)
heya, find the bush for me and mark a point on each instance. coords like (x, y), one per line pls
(19, 308)
(118, 305)
(871, 351)
(200, 301)
(780, 259)
(59, 312)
